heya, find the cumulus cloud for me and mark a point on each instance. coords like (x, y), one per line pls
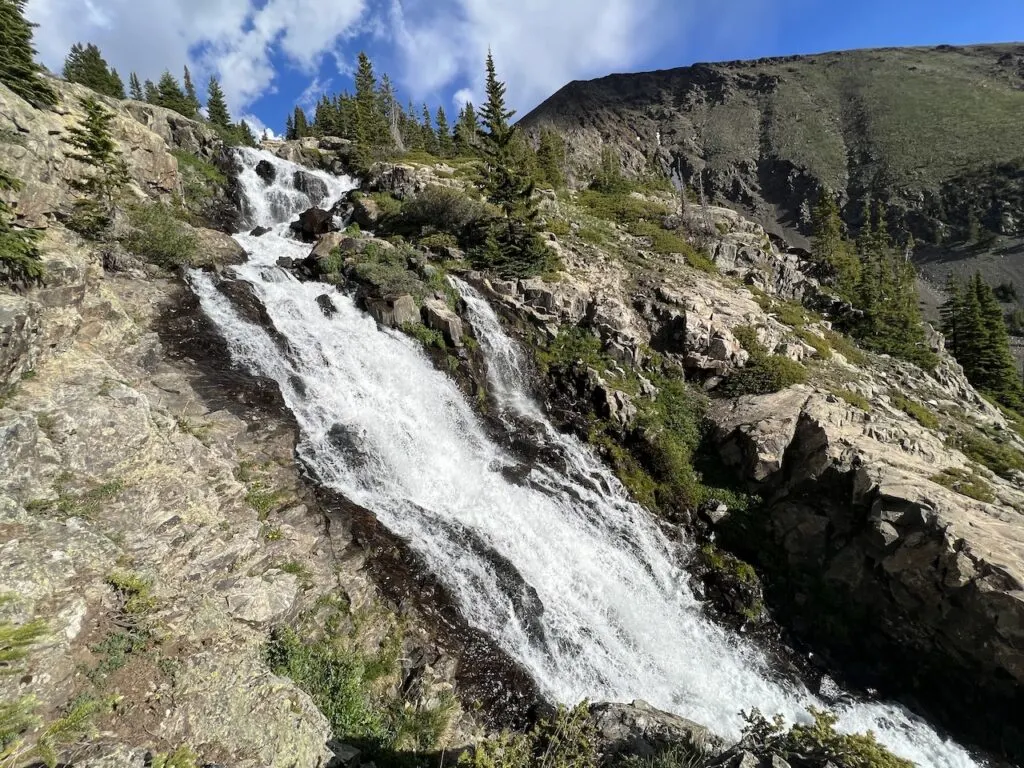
(234, 39)
(538, 45)
(258, 128)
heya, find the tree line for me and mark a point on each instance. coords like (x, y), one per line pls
(85, 65)
(976, 335)
(876, 276)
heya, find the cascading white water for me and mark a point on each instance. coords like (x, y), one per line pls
(571, 577)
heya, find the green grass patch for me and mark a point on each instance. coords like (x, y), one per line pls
(85, 504)
(846, 347)
(919, 413)
(200, 178)
(159, 236)
(428, 337)
(1000, 456)
(814, 341)
(264, 500)
(855, 399)
(966, 483)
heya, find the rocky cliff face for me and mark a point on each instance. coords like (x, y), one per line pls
(930, 131)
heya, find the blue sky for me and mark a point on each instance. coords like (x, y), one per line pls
(272, 54)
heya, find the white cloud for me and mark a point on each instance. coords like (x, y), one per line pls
(233, 39)
(462, 96)
(309, 97)
(538, 45)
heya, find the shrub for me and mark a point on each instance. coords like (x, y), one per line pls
(19, 250)
(387, 269)
(438, 241)
(200, 179)
(916, 411)
(764, 373)
(1001, 457)
(815, 342)
(444, 210)
(159, 236)
(566, 740)
(966, 483)
(846, 347)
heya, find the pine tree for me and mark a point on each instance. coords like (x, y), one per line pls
(289, 128)
(300, 123)
(85, 65)
(831, 248)
(135, 87)
(94, 145)
(170, 95)
(216, 107)
(19, 251)
(190, 95)
(18, 69)
(412, 131)
(445, 145)
(373, 134)
(513, 247)
(952, 313)
(429, 136)
(466, 130)
(149, 90)
(551, 158)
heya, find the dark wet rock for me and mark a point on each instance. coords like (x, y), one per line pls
(326, 304)
(315, 189)
(313, 223)
(286, 262)
(259, 231)
(266, 171)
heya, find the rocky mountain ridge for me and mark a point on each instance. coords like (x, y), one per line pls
(930, 131)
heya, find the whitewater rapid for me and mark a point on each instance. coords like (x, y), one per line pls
(556, 563)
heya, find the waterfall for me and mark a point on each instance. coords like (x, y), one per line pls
(552, 560)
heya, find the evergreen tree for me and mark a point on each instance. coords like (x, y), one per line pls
(513, 247)
(831, 248)
(373, 134)
(18, 69)
(412, 131)
(149, 91)
(170, 95)
(445, 144)
(19, 251)
(190, 95)
(289, 128)
(390, 110)
(430, 144)
(135, 87)
(244, 134)
(300, 124)
(551, 158)
(94, 145)
(85, 65)
(952, 314)
(216, 107)
(466, 130)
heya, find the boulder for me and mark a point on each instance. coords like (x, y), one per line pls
(259, 231)
(400, 180)
(326, 244)
(216, 250)
(335, 144)
(19, 331)
(313, 223)
(393, 312)
(641, 730)
(365, 212)
(311, 186)
(437, 315)
(266, 171)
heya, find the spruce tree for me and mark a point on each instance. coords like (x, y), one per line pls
(85, 65)
(373, 134)
(952, 312)
(445, 145)
(513, 247)
(18, 69)
(551, 158)
(412, 131)
(831, 248)
(190, 95)
(135, 87)
(300, 123)
(19, 250)
(216, 107)
(430, 144)
(289, 128)
(94, 146)
(466, 130)
(170, 96)
(149, 90)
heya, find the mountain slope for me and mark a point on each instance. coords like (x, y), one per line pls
(936, 132)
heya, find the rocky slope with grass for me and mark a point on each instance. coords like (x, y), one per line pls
(152, 515)
(879, 503)
(931, 131)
